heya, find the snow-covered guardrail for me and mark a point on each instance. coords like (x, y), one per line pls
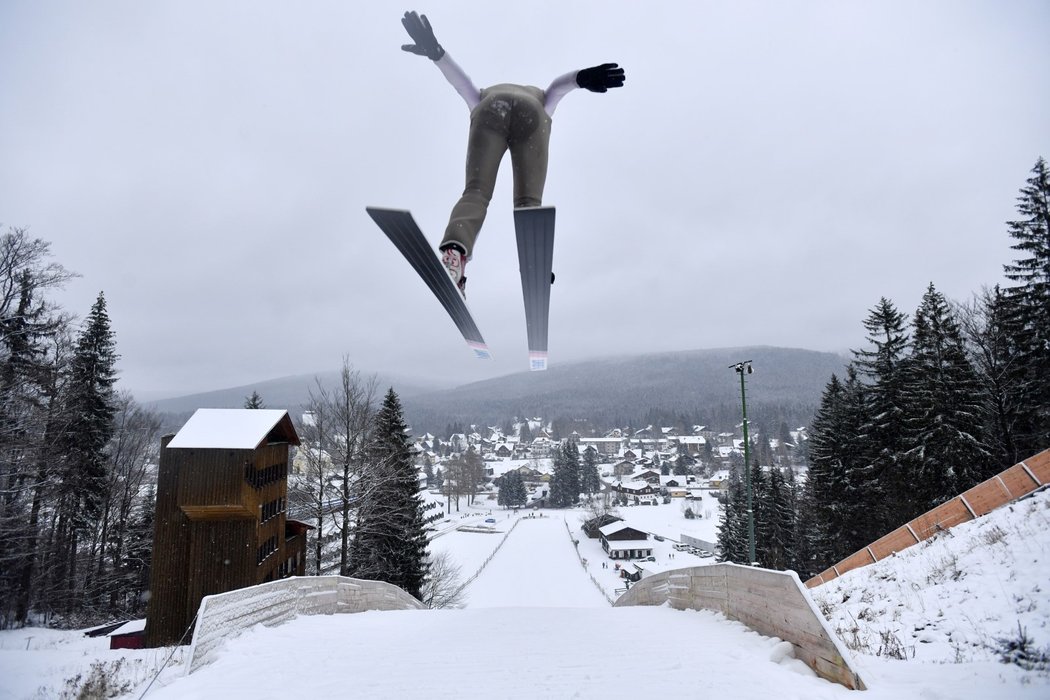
(773, 603)
(225, 615)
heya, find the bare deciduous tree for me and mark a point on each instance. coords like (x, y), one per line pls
(444, 585)
(313, 489)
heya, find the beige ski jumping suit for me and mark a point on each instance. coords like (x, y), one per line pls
(503, 117)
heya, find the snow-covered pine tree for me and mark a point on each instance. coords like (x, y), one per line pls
(390, 537)
(943, 420)
(880, 368)
(558, 497)
(512, 492)
(590, 482)
(796, 560)
(254, 401)
(778, 515)
(761, 504)
(81, 434)
(834, 499)
(525, 433)
(732, 523)
(90, 405)
(823, 495)
(565, 482)
(1030, 305)
(505, 486)
(520, 493)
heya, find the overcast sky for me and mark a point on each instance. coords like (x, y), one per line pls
(768, 172)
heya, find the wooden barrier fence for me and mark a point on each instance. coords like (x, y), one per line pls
(1006, 486)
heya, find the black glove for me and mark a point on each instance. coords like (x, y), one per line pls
(419, 29)
(601, 78)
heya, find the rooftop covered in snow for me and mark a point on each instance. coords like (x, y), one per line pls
(234, 429)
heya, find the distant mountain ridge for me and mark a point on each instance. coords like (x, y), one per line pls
(284, 392)
(620, 391)
(623, 390)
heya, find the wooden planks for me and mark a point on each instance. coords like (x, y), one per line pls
(887, 545)
(1009, 485)
(211, 534)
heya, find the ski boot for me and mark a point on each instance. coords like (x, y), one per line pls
(454, 258)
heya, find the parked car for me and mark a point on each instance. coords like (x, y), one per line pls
(679, 547)
(703, 553)
(490, 520)
(650, 558)
(658, 538)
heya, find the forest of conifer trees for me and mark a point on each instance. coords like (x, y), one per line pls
(927, 408)
(76, 509)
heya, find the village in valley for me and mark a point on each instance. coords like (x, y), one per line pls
(656, 504)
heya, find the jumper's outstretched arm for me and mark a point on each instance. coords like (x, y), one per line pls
(418, 27)
(596, 79)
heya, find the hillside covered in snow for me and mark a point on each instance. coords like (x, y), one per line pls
(978, 592)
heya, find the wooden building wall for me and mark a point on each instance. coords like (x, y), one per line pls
(220, 525)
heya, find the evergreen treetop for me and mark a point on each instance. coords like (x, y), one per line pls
(1029, 307)
(390, 539)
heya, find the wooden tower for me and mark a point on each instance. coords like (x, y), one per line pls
(220, 521)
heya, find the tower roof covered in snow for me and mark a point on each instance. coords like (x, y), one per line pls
(235, 429)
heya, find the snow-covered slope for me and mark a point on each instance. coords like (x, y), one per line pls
(518, 577)
(951, 598)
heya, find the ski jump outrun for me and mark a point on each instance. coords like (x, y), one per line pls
(504, 117)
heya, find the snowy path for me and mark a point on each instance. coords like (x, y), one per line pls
(526, 653)
(504, 653)
(537, 567)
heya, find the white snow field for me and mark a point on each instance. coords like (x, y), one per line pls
(520, 575)
(537, 626)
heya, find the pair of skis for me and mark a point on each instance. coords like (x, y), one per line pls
(535, 233)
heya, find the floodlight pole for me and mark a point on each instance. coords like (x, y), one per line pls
(743, 368)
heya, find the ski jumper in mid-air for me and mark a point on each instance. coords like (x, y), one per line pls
(503, 117)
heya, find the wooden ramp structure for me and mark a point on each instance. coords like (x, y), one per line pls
(1005, 487)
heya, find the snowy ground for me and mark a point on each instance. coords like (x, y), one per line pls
(538, 625)
(950, 598)
(521, 574)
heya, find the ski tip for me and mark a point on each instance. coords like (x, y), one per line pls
(481, 351)
(535, 209)
(537, 361)
(371, 209)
